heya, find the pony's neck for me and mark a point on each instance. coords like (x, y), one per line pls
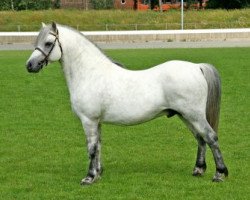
(80, 56)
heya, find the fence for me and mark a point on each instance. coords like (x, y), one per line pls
(242, 35)
(116, 27)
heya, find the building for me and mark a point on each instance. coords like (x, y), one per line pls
(81, 4)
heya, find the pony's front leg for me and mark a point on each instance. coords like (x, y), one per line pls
(93, 133)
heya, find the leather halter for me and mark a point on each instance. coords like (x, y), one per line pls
(46, 56)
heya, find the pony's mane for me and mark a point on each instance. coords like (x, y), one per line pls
(82, 35)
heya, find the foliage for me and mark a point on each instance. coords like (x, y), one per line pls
(190, 2)
(34, 5)
(104, 4)
(43, 152)
(5, 5)
(57, 4)
(154, 3)
(228, 4)
(28, 4)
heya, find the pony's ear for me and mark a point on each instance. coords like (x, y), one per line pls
(43, 25)
(54, 28)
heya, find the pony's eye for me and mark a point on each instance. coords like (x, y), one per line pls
(48, 44)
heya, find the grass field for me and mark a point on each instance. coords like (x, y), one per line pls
(124, 20)
(42, 145)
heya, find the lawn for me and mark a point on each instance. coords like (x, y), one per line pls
(124, 20)
(43, 151)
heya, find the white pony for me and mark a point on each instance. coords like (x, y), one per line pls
(103, 92)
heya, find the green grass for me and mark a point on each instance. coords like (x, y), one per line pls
(124, 20)
(43, 151)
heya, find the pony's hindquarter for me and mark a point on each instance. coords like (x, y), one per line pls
(205, 129)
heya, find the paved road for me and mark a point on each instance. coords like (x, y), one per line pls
(146, 45)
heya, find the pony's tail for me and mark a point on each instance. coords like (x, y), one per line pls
(214, 95)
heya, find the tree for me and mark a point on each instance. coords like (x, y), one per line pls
(228, 4)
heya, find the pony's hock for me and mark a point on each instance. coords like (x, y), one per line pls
(102, 91)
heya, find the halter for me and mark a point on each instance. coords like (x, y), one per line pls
(45, 60)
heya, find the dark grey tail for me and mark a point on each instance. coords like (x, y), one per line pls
(214, 95)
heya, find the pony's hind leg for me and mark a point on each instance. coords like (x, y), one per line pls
(200, 164)
(93, 134)
(207, 135)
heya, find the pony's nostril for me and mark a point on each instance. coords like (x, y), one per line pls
(29, 66)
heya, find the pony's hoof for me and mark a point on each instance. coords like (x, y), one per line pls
(87, 181)
(198, 171)
(217, 179)
(90, 180)
(220, 175)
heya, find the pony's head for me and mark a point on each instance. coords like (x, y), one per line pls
(47, 48)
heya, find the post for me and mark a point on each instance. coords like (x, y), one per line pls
(136, 27)
(160, 5)
(182, 17)
(12, 5)
(86, 5)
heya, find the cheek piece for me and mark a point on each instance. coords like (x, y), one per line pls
(46, 56)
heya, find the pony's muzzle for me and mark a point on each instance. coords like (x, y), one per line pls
(34, 67)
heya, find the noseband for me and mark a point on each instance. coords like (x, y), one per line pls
(46, 56)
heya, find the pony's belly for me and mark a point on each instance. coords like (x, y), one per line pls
(134, 107)
(127, 117)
